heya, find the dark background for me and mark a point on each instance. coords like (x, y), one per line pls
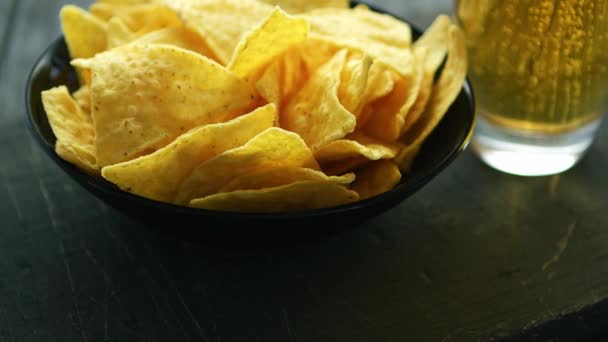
(476, 255)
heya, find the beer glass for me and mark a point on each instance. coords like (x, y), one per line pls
(539, 69)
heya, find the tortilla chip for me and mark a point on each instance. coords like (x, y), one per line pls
(286, 75)
(345, 166)
(294, 72)
(301, 6)
(282, 176)
(389, 113)
(426, 88)
(435, 41)
(281, 79)
(269, 84)
(378, 35)
(119, 33)
(82, 96)
(72, 128)
(145, 96)
(445, 92)
(158, 176)
(140, 18)
(315, 52)
(85, 34)
(299, 196)
(129, 22)
(266, 42)
(222, 23)
(353, 81)
(376, 178)
(356, 145)
(380, 83)
(181, 37)
(274, 148)
(315, 112)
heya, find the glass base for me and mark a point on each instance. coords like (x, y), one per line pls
(531, 154)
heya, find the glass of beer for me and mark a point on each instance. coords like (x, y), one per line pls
(539, 69)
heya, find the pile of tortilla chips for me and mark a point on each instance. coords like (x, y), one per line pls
(250, 105)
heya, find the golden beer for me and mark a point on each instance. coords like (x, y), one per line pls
(537, 65)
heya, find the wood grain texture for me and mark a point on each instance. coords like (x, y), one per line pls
(475, 255)
(7, 15)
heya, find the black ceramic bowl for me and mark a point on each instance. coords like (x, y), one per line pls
(442, 147)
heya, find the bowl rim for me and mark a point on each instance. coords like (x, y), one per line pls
(393, 195)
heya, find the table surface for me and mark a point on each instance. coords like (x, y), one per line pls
(475, 255)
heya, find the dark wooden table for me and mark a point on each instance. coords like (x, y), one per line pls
(476, 255)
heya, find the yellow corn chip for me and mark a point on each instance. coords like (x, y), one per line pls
(72, 128)
(269, 86)
(145, 96)
(83, 97)
(281, 79)
(106, 10)
(294, 72)
(158, 176)
(297, 196)
(354, 81)
(273, 148)
(315, 52)
(389, 114)
(179, 36)
(379, 35)
(426, 88)
(266, 42)
(139, 18)
(435, 42)
(380, 83)
(315, 112)
(282, 176)
(376, 178)
(129, 22)
(85, 34)
(379, 86)
(444, 93)
(344, 166)
(356, 145)
(301, 6)
(285, 76)
(119, 33)
(221, 23)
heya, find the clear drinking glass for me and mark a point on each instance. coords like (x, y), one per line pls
(539, 69)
